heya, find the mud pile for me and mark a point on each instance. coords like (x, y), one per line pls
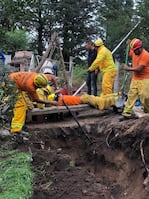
(113, 166)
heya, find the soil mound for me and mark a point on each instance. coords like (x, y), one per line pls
(103, 159)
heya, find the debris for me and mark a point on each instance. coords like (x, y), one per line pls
(146, 181)
(4, 132)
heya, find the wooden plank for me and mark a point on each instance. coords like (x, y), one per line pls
(58, 109)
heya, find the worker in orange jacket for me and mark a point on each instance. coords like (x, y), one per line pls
(26, 82)
(105, 63)
(139, 86)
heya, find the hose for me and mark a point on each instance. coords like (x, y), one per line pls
(83, 131)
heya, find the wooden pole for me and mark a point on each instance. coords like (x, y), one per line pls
(63, 65)
(70, 71)
(44, 57)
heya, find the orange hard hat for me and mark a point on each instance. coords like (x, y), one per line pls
(135, 44)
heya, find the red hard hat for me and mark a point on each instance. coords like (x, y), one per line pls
(135, 44)
(64, 91)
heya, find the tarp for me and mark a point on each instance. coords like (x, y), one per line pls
(2, 57)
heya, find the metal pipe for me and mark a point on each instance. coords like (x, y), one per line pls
(79, 89)
(113, 51)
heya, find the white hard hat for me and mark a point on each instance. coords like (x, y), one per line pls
(47, 64)
(48, 70)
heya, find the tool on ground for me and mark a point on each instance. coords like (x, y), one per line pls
(121, 100)
(83, 131)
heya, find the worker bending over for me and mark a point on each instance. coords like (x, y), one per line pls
(27, 83)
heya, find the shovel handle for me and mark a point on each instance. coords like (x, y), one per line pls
(126, 62)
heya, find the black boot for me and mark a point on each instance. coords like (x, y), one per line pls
(123, 118)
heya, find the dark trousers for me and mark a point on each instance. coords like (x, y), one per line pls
(91, 81)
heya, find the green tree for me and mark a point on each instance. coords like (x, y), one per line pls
(31, 16)
(37, 18)
(143, 12)
(14, 40)
(74, 21)
(116, 17)
(75, 24)
(10, 14)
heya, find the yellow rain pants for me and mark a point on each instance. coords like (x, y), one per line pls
(135, 91)
(146, 95)
(19, 112)
(107, 82)
(101, 102)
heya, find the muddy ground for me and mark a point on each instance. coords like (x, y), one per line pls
(104, 159)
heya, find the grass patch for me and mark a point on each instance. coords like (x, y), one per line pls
(16, 175)
(79, 76)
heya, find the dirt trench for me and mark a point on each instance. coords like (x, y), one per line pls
(67, 166)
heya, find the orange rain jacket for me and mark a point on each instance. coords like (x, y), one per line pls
(25, 82)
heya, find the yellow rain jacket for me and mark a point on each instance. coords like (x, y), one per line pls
(100, 102)
(105, 63)
(45, 94)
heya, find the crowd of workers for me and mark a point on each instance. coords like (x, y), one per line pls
(34, 89)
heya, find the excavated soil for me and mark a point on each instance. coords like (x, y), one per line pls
(101, 159)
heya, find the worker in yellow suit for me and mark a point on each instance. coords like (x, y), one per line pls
(105, 63)
(46, 93)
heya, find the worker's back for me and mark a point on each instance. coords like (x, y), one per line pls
(24, 80)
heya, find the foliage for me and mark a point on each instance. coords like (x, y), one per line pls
(79, 75)
(9, 14)
(143, 12)
(8, 95)
(14, 40)
(116, 18)
(37, 18)
(16, 175)
(75, 22)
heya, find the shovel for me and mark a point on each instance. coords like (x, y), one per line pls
(121, 100)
